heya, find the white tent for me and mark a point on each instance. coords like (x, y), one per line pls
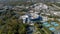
(24, 18)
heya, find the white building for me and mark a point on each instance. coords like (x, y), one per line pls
(33, 17)
(45, 18)
(24, 18)
(57, 13)
(41, 6)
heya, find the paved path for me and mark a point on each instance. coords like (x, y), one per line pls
(55, 6)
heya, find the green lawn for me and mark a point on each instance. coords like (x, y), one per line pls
(47, 30)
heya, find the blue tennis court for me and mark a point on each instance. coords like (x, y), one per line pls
(52, 29)
(54, 24)
(46, 24)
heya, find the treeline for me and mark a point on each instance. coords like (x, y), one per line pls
(10, 24)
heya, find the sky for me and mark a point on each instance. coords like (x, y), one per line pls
(23, 0)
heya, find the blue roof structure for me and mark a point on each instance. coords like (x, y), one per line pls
(37, 19)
